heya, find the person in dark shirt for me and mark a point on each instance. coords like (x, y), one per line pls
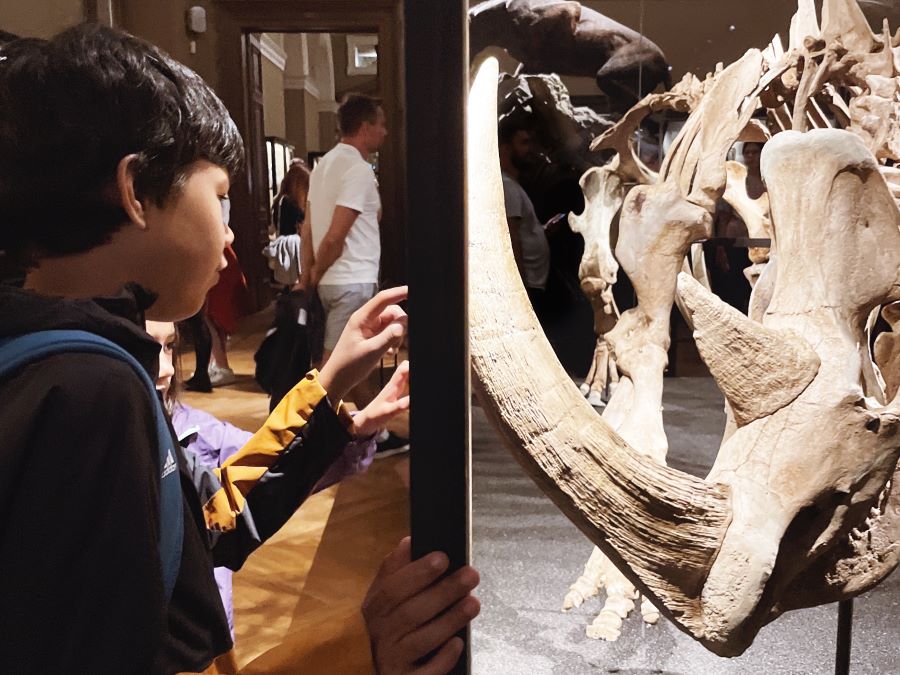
(127, 223)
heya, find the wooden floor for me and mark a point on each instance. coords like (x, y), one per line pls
(304, 583)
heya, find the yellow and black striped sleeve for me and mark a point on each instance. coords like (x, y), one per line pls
(269, 478)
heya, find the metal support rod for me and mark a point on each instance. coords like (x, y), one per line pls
(436, 85)
(844, 637)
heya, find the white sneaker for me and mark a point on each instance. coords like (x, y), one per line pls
(220, 377)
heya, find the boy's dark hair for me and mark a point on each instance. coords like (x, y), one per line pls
(70, 109)
(356, 109)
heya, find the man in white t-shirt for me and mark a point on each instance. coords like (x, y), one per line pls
(340, 243)
(529, 240)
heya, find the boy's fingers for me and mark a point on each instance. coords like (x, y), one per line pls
(396, 559)
(419, 612)
(399, 382)
(402, 373)
(401, 404)
(444, 660)
(400, 379)
(392, 563)
(392, 314)
(390, 336)
(382, 300)
(429, 637)
(407, 582)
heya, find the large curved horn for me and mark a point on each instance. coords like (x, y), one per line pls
(661, 527)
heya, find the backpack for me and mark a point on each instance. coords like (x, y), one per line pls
(17, 352)
(283, 358)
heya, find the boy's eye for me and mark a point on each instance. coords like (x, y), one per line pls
(225, 203)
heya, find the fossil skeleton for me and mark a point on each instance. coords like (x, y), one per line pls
(798, 508)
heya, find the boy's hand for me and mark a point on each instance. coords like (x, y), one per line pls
(373, 330)
(411, 612)
(391, 400)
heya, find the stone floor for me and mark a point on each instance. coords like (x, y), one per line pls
(528, 554)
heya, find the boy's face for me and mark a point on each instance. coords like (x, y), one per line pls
(189, 237)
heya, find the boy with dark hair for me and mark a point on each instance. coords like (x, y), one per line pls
(115, 164)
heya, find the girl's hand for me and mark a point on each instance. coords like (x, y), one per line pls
(391, 400)
(373, 330)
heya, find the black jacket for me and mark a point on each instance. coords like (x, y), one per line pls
(80, 581)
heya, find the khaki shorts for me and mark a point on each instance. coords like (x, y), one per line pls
(339, 302)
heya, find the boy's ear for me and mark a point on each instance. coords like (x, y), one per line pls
(126, 194)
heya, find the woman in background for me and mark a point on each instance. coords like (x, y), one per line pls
(289, 207)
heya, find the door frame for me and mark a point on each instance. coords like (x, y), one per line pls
(425, 107)
(236, 18)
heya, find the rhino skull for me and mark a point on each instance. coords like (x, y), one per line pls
(797, 508)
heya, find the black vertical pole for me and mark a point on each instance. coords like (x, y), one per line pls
(844, 637)
(436, 63)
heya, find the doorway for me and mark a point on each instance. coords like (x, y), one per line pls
(282, 68)
(297, 82)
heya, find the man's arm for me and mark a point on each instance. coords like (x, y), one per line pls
(332, 243)
(515, 225)
(307, 256)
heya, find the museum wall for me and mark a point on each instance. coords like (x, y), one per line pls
(302, 122)
(273, 89)
(695, 34)
(162, 23)
(309, 91)
(343, 83)
(295, 120)
(320, 120)
(295, 72)
(311, 121)
(20, 17)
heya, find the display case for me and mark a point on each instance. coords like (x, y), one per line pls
(727, 526)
